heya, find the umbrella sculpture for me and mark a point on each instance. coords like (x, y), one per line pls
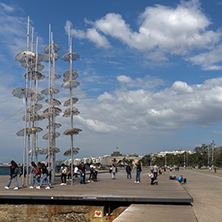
(69, 83)
(52, 110)
(30, 61)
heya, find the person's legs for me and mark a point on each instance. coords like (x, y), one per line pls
(81, 177)
(33, 181)
(64, 177)
(16, 183)
(139, 176)
(9, 182)
(43, 178)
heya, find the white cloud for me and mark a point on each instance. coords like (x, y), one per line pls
(147, 82)
(172, 108)
(208, 60)
(163, 31)
(92, 34)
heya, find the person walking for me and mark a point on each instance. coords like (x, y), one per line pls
(63, 174)
(35, 172)
(45, 175)
(22, 171)
(39, 166)
(138, 171)
(13, 175)
(128, 171)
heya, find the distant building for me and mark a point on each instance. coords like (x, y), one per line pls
(116, 153)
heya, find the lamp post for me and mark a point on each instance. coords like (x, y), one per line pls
(212, 145)
(184, 160)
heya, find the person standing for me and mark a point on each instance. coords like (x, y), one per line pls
(138, 171)
(91, 175)
(45, 175)
(13, 175)
(76, 171)
(35, 172)
(155, 171)
(128, 171)
(113, 172)
(63, 174)
(82, 170)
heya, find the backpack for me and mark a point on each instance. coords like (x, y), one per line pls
(37, 170)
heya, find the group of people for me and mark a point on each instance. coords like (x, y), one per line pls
(153, 173)
(82, 172)
(39, 173)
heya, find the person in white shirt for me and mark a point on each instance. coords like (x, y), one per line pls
(63, 174)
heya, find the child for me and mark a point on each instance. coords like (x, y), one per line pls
(13, 174)
(152, 178)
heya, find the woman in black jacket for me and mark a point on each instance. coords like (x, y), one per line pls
(13, 175)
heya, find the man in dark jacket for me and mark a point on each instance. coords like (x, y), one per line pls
(128, 171)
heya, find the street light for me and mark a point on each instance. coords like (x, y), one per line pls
(184, 160)
(212, 145)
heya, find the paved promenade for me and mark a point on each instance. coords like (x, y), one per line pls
(168, 192)
(106, 189)
(206, 189)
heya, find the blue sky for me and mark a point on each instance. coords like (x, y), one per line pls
(149, 73)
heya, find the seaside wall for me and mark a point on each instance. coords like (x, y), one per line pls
(51, 213)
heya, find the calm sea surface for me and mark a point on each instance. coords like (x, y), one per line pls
(5, 170)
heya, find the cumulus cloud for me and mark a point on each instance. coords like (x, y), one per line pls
(208, 60)
(163, 31)
(172, 108)
(92, 34)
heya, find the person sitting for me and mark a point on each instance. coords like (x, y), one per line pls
(180, 178)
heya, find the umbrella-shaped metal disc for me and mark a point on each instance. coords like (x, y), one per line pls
(52, 150)
(74, 72)
(34, 75)
(68, 112)
(73, 56)
(48, 56)
(53, 102)
(56, 125)
(67, 102)
(48, 90)
(55, 46)
(24, 54)
(75, 150)
(53, 109)
(21, 92)
(29, 131)
(54, 134)
(70, 83)
(72, 131)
